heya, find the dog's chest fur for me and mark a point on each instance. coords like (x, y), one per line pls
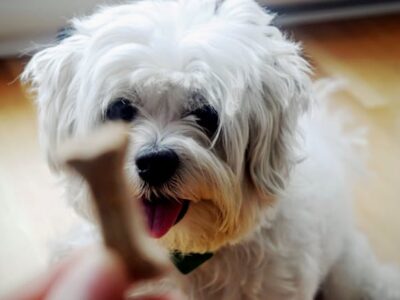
(249, 270)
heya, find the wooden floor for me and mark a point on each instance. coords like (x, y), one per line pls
(365, 53)
(31, 210)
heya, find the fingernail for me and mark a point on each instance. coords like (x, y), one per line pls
(98, 275)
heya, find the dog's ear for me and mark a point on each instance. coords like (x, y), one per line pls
(285, 95)
(50, 73)
(276, 89)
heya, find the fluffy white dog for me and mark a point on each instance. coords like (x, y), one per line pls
(227, 159)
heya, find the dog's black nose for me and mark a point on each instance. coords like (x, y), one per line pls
(156, 166)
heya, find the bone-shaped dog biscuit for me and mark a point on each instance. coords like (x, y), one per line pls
(99, 159)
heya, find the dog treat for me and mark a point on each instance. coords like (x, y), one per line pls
(99, 159)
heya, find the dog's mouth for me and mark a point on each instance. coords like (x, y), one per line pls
(163, 213)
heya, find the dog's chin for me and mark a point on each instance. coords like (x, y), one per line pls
(162, 213)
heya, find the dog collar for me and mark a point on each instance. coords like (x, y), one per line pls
(186, 263)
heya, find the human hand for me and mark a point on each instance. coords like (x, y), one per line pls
(94, 274)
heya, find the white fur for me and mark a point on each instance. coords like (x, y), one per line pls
(270, 193)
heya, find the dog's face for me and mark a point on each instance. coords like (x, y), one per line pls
(211, 92)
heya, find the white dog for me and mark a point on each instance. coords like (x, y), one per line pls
(228, 161)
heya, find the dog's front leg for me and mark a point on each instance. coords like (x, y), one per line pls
(286, 280)
(357, 274)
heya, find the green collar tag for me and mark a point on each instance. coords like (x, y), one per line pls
(186, 263)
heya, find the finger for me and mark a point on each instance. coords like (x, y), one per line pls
(37, 288)
(98, 275)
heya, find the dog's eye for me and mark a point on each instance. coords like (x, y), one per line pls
(207, 118)
(121, 109)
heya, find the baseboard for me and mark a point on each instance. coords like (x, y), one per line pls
(288, 14)
(291, 14)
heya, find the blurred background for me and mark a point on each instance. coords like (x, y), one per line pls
(357, 41)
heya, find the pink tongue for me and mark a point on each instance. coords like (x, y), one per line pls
(161, 215)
